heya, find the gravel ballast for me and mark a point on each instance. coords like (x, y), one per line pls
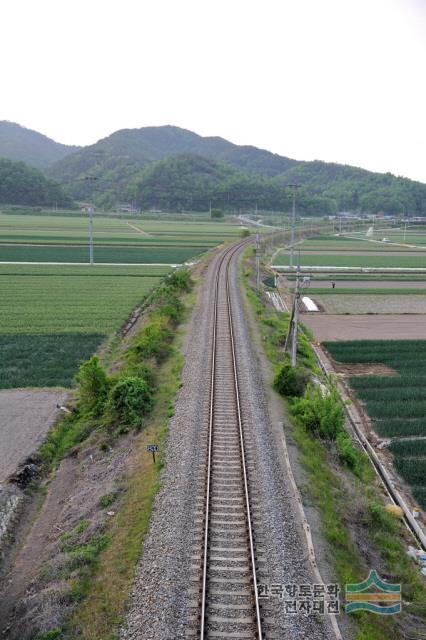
(159, 603)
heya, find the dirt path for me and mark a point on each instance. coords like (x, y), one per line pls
(25, 417)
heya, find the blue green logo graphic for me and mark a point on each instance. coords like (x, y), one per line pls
(373, 595)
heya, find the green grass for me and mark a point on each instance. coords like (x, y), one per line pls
(396, 404)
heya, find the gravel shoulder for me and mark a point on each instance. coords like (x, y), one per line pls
(26, 416)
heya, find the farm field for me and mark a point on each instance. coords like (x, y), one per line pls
(374, 303)
(358, 327)
(366, 283)
(386, 260)
(350, 242)
(395, 404)
(79, 254)
(414, 235)
(65, 239)
(53, 318)
(25, 418)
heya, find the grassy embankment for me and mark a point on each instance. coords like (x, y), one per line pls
(96, 573)
(342, 486)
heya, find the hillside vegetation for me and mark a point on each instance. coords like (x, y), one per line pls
(168, 167)
(21, 184)
(19, 143)
(172, 168)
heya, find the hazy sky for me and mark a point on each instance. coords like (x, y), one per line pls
(336, 80)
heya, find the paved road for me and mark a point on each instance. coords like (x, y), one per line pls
(25, 417)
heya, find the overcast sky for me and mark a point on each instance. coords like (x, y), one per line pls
(336, 80)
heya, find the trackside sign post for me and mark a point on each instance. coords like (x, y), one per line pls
(152, 448)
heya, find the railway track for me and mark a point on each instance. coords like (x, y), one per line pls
(224, 592)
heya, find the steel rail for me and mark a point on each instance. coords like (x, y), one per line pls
(244, 469)
(226, 255)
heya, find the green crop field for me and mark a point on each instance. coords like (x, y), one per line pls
(52, 318)
(56, 238)
(389, 261)
(113, 254)
(343, 243)
(396, 404)
(413, 235)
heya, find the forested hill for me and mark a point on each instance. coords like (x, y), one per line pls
(152, 167)
(127, 158)
(354, 189)
(21, 184)
(19, 143)
(150, 144)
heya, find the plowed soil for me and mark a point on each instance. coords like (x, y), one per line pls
(366, 327)
(25, 417)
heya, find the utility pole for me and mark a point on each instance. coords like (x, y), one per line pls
(91, 235)
(295, 317)
(293, 222)
(91, 260)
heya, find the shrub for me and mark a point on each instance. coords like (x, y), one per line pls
(244, 233)
(180, 280)
(347, 453)
(130, 400)
(291, 381)
(216, 214)
(154, 341)
(108, 499)
(171, 306)
(93, 385)
(321, 414)
(51, 635)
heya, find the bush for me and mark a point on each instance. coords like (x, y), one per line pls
(244, 233)
(291, 381)
(321, 414)
(154, 341)
(347, 453)
(180, 280)
(130, 400)
(108, 499)
(171, 307)
(216, 214)
(93, 385)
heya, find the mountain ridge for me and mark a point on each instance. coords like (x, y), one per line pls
(19, 143)
(121, 162)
